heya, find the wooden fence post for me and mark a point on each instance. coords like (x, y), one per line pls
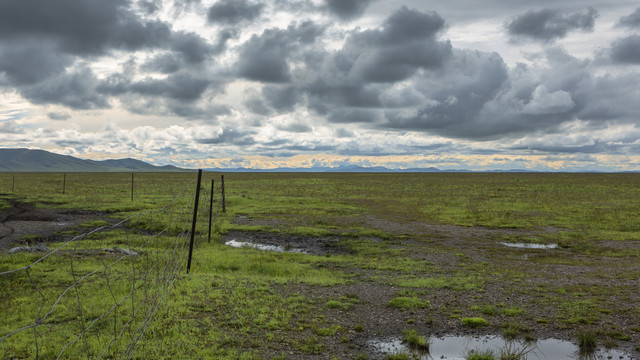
(13, 184)
(195, 217)
(131, 186)
(64, 183)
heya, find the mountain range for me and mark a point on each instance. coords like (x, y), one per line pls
(26, 160)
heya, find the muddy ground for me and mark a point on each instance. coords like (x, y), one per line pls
(546, 274)
(23, 224)
(450, 249)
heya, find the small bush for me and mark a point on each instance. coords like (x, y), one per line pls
(474, 322)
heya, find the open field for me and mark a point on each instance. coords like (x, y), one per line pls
(386, 255)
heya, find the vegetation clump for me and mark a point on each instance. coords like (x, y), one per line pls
(407, 303)
(587, 343)
(415, 340)
(474, 322)
(480, 355)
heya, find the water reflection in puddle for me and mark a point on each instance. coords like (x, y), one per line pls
(530, 246)
(455, 348)
(265, 247)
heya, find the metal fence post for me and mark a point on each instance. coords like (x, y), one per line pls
(224, 202)
(210, 211)
(195, 217)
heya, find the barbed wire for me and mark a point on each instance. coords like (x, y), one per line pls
(136, 282)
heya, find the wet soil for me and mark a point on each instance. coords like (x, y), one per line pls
(536, 280)
(24, 224)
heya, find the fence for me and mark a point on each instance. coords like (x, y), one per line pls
(95, 294)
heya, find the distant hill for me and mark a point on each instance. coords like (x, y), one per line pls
(25, 160)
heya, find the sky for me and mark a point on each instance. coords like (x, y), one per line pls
(456, 84)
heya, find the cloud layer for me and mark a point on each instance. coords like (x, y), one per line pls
(200, 80)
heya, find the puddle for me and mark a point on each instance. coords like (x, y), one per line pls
(265, 247)
(530, 246)
(455, 348)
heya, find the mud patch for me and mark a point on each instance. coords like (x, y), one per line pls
(285, 243)
(24, 224)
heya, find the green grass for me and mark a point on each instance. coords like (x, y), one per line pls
(416, 341)
(246, 304)
(587, 343)
(480, 355)
(407, 303)
(474, 322)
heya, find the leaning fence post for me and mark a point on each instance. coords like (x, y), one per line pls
(195, 217)
(64, 183)
(224, 204)
(210, 211)
(13, 184)
(131, 186)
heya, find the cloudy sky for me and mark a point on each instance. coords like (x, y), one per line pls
(456, 84)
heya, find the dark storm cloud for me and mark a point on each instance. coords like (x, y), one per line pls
(42, 42)
(230, 12)
(265, 57)
(595, 148)
(281, 98)
(188, 50)
(631, 21)
(350, 115)
(230, 137)
(324, 95)
(59, 115)
(405, 44)
(30, 61)
(163, 63)
(458, 93)
(80, 27)
(179, 86)
(296, 128)
(149, 7)
(256, 105)
(344, 133)
(74, 89)
(626, 50)
(347, 9)
(192, 47)
(477, 97)
(355, 77)
(550, 24)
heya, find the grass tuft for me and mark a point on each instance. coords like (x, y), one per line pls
(474, 322)
(480, 355)
(415, 340)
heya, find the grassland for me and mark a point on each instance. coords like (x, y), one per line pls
(409, 253)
